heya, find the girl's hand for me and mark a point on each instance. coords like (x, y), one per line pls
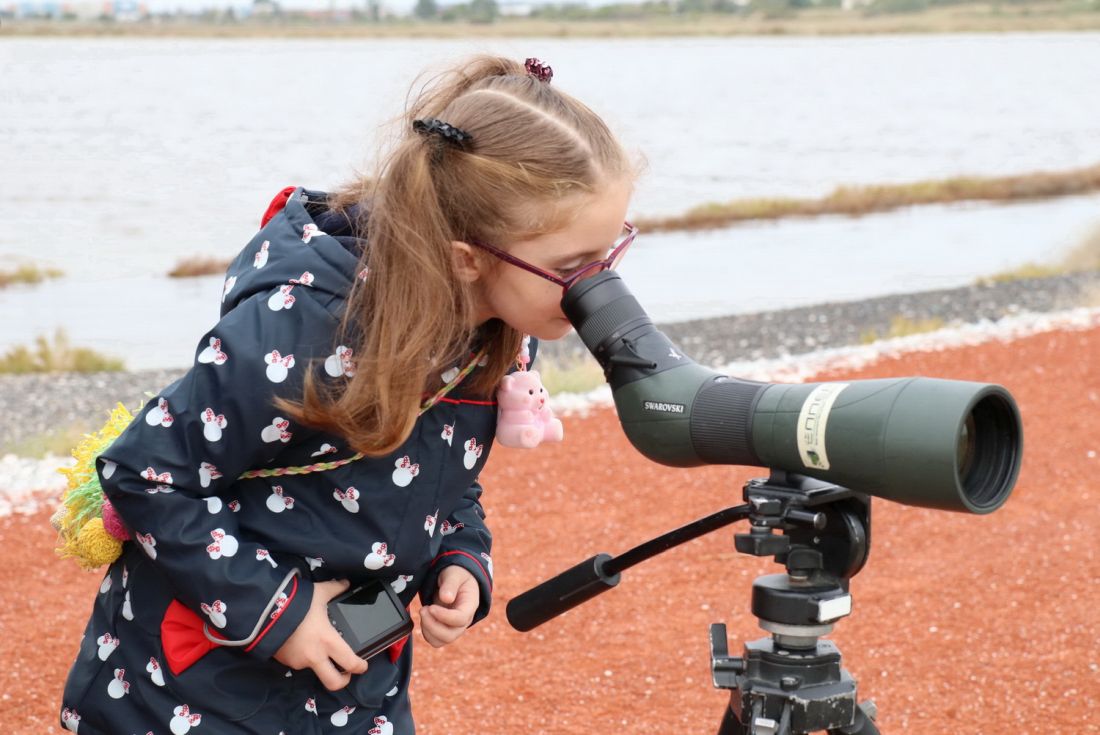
(316, 644)
(453, 610)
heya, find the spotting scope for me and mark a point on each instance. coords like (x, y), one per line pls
(947, 444)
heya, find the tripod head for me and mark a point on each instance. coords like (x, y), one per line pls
(825, 527)
(825, 541)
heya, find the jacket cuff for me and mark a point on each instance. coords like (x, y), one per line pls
(284, 620)
(471, 564)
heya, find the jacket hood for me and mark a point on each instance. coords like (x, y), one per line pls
(304, 245)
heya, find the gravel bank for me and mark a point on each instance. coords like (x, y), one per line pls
(766, 335)
(38, 404)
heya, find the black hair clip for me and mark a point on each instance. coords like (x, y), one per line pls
(539, 70)
(444, 131)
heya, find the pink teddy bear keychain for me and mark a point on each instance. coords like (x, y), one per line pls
(524, 416)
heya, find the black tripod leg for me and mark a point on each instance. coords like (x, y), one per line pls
(863, 725)
(731, 723)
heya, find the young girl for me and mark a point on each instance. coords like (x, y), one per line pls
(361, 338)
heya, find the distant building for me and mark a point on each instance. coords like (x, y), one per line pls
(36, 10)
(118, 10)
(84, 10)
(516, 8)
(264, 9)
(126, 11)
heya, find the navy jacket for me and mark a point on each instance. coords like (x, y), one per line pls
(242, 554)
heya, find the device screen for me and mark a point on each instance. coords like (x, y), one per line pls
(369, 612)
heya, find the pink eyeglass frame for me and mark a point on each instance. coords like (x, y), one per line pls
(576, 275)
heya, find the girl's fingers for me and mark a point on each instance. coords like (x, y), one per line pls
(431, 638)
(329, 589)
(438, 628)
(452, 618)
(433, 631)
(345, 658)
(469, 596)
(332, 679)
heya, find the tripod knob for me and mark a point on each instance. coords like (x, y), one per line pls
(765, 726)
(760, 541)
(724, 668)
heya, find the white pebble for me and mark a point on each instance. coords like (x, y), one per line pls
(29, 484)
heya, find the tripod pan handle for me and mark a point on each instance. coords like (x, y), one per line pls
(561, 593)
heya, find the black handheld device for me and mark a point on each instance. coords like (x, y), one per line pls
(370, 618)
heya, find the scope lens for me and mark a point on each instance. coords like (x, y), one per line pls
(988, 453)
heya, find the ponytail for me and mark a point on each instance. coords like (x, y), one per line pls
(411, 317)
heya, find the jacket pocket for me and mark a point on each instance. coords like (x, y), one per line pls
(369, 689)
(225, 682)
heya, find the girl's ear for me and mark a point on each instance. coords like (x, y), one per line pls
(466, 262)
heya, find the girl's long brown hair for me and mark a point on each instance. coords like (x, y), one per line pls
(532, 149)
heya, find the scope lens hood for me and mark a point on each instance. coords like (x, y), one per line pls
(989, 448)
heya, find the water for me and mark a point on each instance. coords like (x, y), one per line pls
(119, 157)
(796, 263)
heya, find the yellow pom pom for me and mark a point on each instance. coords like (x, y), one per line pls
(93, 444)
(57, 520)
(94, 547)
(81, 534)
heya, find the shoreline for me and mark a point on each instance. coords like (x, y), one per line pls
(718, 341)
(27, 485)
(51, 403)
(1032, 17)
(864, 200)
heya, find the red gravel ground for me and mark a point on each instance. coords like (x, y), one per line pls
(962, 624)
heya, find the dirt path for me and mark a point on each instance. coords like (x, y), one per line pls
(962, 624)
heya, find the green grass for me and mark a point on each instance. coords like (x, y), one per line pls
(199, 266)
(56, 356)
(1083, 257)
(27, 274)
(1091, 299)
(579, 375)
(1023, 272)
(58, 442)
(903, 326)
(856, 201)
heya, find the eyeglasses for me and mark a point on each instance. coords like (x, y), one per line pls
(614, 257)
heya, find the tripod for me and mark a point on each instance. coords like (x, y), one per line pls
(793, 683)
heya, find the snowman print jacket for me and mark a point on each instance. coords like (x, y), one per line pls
(220, 570)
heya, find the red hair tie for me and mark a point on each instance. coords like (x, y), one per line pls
(539, 70)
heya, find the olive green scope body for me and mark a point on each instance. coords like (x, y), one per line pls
(947, 444)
